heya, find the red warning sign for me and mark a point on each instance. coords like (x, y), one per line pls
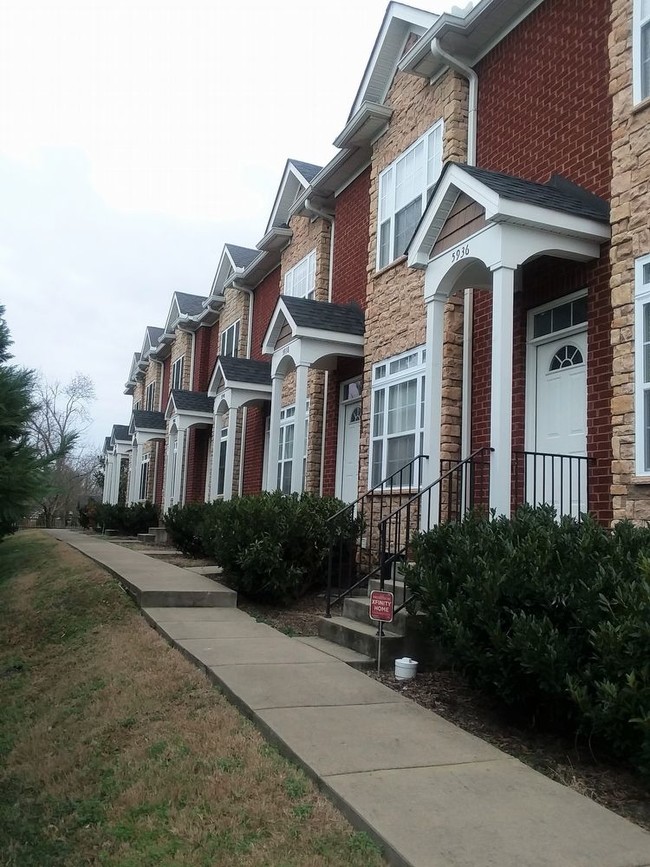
(381, 605)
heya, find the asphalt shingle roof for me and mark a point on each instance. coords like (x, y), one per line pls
(242, 256)
(121, 432)
(558, 193)
(192, 401)
(145, 420)
(307, 170)
(154, 334)
(245, 370)
(107, 443)
(343, 318)
(191, 305)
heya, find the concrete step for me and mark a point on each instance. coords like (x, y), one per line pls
(400, 588)
(358, 608)
(205, 570)
(343, 654)
(146, 538)
(160, 535)
(361, 637)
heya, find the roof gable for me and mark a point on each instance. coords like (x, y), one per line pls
(295, 179)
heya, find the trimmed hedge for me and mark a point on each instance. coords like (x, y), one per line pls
(272, 546)
(127, 520)
(551, 616)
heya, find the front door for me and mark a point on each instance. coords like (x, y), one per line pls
(348, 455)
(557, 431)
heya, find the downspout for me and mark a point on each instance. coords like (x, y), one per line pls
(330, 219)
(468, 302)
(249, 340)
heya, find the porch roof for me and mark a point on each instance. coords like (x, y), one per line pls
(340, 318)
(191, 401)
(120, 432)
(143, 419)
(240, 370)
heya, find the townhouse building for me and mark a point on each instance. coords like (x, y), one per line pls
(466, 284)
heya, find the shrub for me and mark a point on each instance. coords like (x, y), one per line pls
(126, 520)
(272, 546)
(551, 616)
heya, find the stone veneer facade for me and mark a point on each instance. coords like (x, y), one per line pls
(395, 312)
(630, 239)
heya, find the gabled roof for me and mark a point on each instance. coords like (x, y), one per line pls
(191, 401)
(343, 318)
(190, 305)
(107, 445)
(295, 178)
(143, 419)
(152, 336)
(245, 370)
(399, 21)
(120, 433)
(233, 261)
(241, 257)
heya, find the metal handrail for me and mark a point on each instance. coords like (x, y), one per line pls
(555, 478)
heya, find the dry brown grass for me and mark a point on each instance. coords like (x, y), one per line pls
(115, 750)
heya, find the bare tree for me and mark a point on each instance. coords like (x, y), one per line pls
(57, 430)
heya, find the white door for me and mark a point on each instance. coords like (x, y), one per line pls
(560, 425)
(348, 457)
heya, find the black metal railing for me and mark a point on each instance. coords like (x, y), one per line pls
(561, 481)
(461, 486)
(353, 563)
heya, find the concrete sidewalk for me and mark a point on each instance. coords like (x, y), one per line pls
(431, 794)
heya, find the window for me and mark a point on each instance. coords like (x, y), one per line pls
(285, 448)
(177, 372)
(397, 415)
(144, 478)
(299, 281)
(642, 365)
(560, 317)
(136, 406)
(230, 340)
(150, 396)
(223, 448)
(641, 50)
(404, 188)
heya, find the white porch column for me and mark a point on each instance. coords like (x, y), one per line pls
(231, 444)
(217, 424)
(169, 465)
(116, 472)
(108, 478)
(274, 431)
(433, 398)
(135, 468)
(503, 283)
(300, 422)
(180, 466)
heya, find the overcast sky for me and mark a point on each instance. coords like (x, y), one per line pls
(136, 138)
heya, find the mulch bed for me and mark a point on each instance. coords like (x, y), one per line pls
(574, 764)
(300, 619)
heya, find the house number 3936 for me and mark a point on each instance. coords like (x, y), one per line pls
(460, 253)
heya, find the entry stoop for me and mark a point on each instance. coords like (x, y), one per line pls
(155, 536)
(146, 538)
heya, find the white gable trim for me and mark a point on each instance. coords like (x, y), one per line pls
(291, 184)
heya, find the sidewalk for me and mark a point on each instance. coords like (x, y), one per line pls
(431, 794)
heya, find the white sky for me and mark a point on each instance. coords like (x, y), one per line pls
(136, 138)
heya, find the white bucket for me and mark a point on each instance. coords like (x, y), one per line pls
(405, 668)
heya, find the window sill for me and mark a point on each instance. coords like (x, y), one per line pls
(641, 106)
(640, 480)
(399, 261)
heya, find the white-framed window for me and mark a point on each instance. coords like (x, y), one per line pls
(136, 405)
(285, 448)
(144, 477)
(300, 281)
(642, 364)
(404, 188)
(641, 50)
(230, 340)
(397, 421)
(223, 449)
(150, 397)
(177, 372)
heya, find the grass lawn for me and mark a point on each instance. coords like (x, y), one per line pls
(115, 750)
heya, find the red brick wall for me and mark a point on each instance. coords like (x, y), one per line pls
(347, 368)
(197, 458)
(266, 296)
(201, 373)
(351, 234)
(254, 450)
(556, 120)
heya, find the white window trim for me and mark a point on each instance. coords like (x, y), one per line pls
(417, 373)
(234, 331)
(220, 481)
(142, 488)
(179, 363)
(308, 261)
(150, 404)
(393, 167)
(287, 420)
(641, 298)
(638, 24)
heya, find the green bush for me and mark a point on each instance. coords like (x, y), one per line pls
(272, 547)
(126, 520)
(551, 616)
